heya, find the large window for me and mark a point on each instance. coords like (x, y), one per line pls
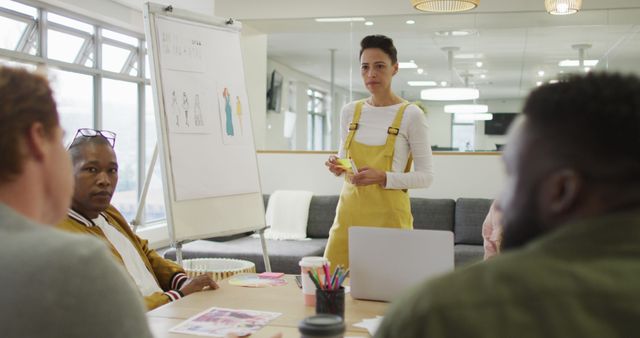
(18, 27)
(317, 114)
(100, 80)
(76, 111)
(120, 114)
(463, 134)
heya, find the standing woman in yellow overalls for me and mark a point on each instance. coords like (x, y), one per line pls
(381, 134)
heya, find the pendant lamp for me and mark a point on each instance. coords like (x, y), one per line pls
(562, 7)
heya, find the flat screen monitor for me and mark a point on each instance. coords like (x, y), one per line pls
(499, 124)
(274, 92)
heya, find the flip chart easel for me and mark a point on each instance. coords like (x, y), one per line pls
(205, 139)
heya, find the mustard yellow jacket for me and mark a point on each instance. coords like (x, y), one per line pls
(169, 275)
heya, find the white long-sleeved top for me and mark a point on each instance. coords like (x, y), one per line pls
(143, 278)
(412, 138)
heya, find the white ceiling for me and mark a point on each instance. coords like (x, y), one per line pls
(514, 39)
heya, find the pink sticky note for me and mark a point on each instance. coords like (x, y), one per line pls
(271, 274)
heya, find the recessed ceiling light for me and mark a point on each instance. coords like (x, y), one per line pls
(421, 83)
(410, 22)
(553, 81)
(405, 65)
(576, 63)
(541, 73)
(420, 70)
(587, 69)
(443, 83)
(483, 76)
(352, 19)
(368, 23)
(538, 83)
(479, 64)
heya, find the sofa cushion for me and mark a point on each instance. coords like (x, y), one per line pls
(469, 216)
(283, 255)
(432, 214)
(322, 212)
(467, 254)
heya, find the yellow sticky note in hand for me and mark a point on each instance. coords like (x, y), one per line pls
(344, 163)
(347, 164)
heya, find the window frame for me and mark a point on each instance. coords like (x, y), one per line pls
(311, 112)
(92, 45)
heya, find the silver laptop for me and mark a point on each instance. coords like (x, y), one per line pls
(384, 262)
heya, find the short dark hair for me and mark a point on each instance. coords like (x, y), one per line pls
(591, 123)
(25, 99)
(81, 141)
(381, 42)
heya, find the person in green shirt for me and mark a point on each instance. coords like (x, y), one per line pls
(570, 252)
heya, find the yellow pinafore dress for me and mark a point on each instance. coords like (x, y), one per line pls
(370, 205)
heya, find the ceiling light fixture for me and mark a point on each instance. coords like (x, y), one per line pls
(473, 117)
(455, 33)
(354, 19)
(466, 108)
(420, 71)
(581, 62)
(405, 65)
(410, 22)
(562, 7)
(368, 23)
(444, 6)
(450, 93)
(576, 63)
(422, 83)
(466, 56)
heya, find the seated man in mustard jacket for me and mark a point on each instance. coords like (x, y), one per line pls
(95, 169)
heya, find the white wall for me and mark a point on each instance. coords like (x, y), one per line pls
(456, 175)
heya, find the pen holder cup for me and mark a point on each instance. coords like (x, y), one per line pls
(330, 301)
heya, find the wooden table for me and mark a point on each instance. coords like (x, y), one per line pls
(286, 299)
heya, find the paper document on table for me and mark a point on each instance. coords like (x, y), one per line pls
(218, 322)
(370, 324)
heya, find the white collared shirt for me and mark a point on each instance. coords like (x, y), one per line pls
(412, 139)
(145, 281)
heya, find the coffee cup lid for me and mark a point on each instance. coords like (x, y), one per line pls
(311, 261)
(322, 324)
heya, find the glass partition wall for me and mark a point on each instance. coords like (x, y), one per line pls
(502, 54)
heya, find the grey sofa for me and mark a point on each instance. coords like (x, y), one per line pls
(464, 217)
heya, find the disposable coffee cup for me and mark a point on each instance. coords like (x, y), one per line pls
(322, 326)
(311, 263)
